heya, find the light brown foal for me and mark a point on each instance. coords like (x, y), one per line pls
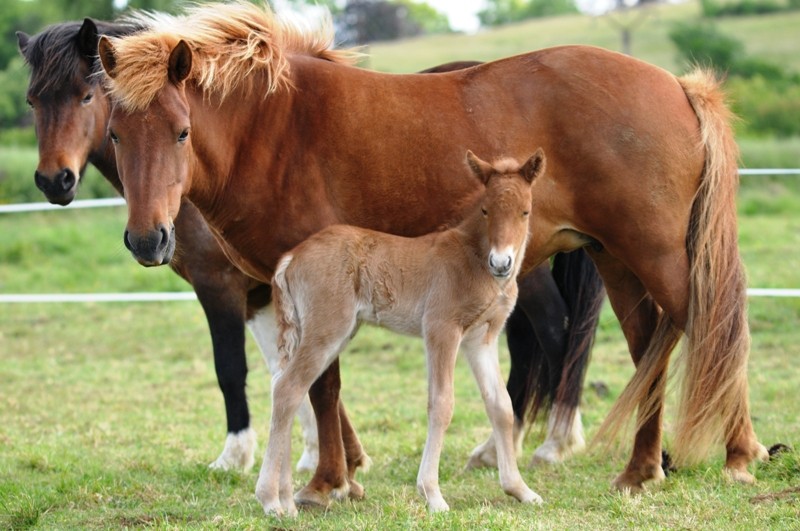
(453, 288)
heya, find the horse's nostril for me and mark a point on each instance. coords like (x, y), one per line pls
(40, 181)
(126, 241)
(164, 236)
(67, 179)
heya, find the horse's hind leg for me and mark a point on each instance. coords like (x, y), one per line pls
(354, 454)
(481, 353)
(330, 477)
(637, 314)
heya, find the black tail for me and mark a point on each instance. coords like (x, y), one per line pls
(549, 359)
(582, 288)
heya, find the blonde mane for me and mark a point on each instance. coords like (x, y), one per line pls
(229, 43)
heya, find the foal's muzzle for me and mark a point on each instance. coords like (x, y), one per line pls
(152, 248)
(59, 189)
(501, 264)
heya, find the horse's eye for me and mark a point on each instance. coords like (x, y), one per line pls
(29, 102)
(484, 211)
(525, 214)
(113, 136)
(183, 136)
(88, 98)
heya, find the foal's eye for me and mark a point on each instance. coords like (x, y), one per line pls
(525, 214)
(113, 136)
(88, 98)
(183, 136)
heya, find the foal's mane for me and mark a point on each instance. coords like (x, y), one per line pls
(54, 57)
(229, 42)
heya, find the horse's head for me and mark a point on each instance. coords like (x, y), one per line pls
(505, 207)
(154, 156)
(69, 106)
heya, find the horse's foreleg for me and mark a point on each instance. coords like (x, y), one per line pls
(481, 353)
(441, 347)
(224, 306)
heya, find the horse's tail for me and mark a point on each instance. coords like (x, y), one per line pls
(285, 311)
(582, 288)
(714, 394)
(713, 399)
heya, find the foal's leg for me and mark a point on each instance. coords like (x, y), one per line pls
(481, 353)
(441, 347)
(264, 328)
(304, 366)
(537, 342)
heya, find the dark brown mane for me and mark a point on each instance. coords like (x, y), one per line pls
(54, 57)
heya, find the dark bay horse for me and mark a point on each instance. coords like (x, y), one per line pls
(71, 112)
(273, 137)
(454, 288)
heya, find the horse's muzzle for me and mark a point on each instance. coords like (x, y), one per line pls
(500, 265)
(152, 248)
(59, 189)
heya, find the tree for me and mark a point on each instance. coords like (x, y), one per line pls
(500, 12)
(624, 15)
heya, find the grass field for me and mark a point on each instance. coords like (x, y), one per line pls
(109, 413)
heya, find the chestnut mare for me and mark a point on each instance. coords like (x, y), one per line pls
(273, 138)
(451, 288)
(547, 362)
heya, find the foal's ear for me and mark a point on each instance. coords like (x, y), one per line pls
(107, 58)
(534, 167)
(482, 169)
(87, 38)
(22, 42)
(180, 62)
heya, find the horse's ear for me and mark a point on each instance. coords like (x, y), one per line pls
(534, 167)
(22, 42)
(107, 58)
(481, 169)
(87, 38)
(180, 62)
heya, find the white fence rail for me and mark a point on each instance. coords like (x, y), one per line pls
(189, 296)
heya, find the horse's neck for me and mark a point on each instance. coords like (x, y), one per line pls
(106, 163)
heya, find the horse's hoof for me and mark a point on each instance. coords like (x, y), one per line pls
(482, 458)
(311, 499)
(739, 476)
(238, 453)
(364, 463)
(546, 455)
(356, 491)
(527, 496)
(632, 483)
(308, 462)
(438, 506)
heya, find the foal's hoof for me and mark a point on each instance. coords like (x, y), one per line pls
(311, 499)
(739, 476)
(484, 456)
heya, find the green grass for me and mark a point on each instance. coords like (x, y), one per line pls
(109, 413)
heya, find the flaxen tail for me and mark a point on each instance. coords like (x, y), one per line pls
(714, 395)
(285, 312)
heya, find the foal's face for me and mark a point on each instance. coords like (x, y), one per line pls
(70, 121)
(153, 151)
(506, 207)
